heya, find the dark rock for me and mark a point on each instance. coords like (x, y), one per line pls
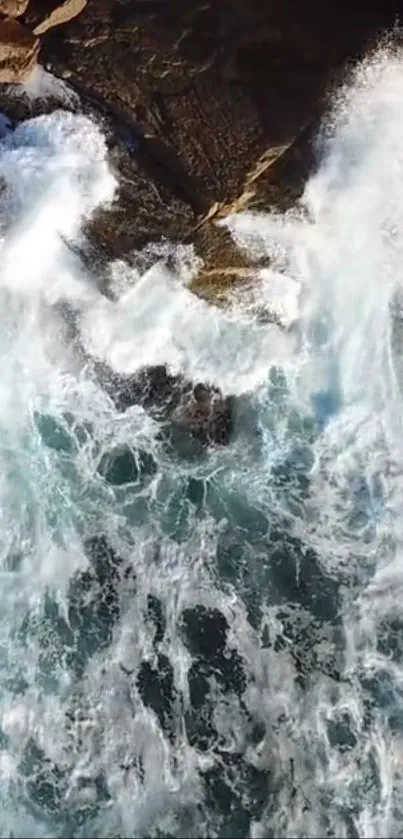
(390, 638)
(341, 733)
(214, 107)
(153, 388)
(46, 784)
(156, 616)
(94, 604)
(92, 617)
(207, 415)
(54, 433)
(225, 97)
(297, 576)
(105, 562)
(205, 631)
(237, 792)
(196, 491)
(48, 787)
(201, 411)
(314, 647)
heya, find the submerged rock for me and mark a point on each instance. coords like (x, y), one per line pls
(205, 634)
(207, 415)
(93, 603)
(200, 410)
(156, 687)
(154, 388)
(18, 51)
(123, 466)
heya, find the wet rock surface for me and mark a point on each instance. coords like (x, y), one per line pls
(226, 96)
(199, 410)
(211, 107)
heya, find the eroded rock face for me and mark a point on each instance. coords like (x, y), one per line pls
(18, 51)
(13, 8)
(200, 411)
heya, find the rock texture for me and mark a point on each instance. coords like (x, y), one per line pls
(54, 14)
(224, 96)
(13, 8)
(18, 51)
(211, 106)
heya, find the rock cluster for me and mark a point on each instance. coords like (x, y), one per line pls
(226, 95)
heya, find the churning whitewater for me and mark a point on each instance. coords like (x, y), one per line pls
(206, 644)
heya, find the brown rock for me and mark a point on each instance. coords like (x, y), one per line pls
(13, 8)
(60, 13)
(218, 284)
(18, 52)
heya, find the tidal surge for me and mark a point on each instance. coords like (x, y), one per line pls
(205, 643)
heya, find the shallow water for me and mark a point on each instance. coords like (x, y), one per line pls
(205, 644)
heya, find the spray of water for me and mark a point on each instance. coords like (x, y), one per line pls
(211, 645)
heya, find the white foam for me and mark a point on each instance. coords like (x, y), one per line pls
(335, 267)
(56, 173)
(345, 247)
(43, 85)
(159, 321)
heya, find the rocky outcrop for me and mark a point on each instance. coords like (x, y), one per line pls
(211, 106)
(13, 8)
(18, 51)
(224, 96)
(55, 13)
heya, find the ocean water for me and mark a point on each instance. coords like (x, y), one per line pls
(205, 644)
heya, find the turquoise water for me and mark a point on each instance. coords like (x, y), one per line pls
(194, 642)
